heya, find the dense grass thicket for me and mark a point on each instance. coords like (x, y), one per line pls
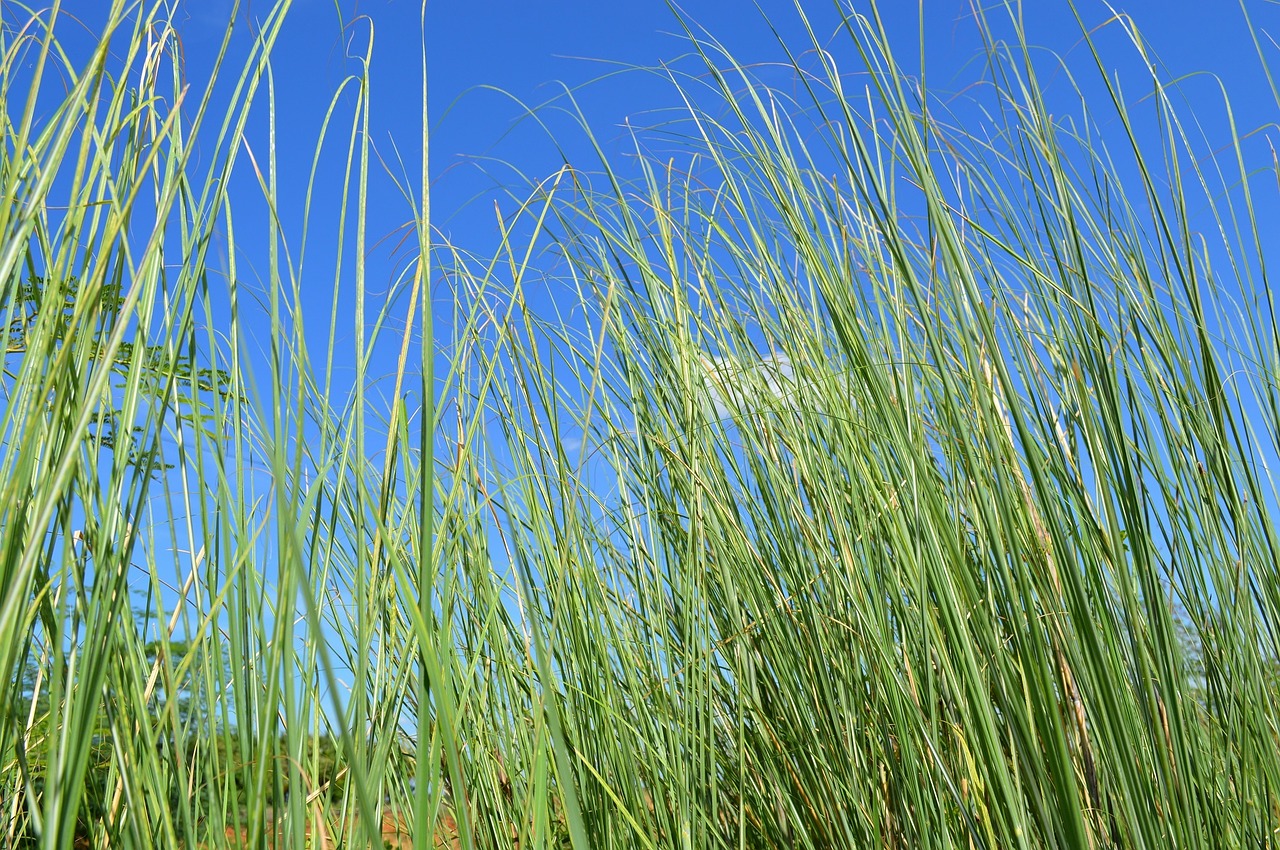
(849, 467)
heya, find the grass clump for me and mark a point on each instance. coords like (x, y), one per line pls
(886, 472)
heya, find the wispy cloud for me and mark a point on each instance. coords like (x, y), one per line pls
(736, 384)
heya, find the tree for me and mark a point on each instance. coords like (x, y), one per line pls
(195, 384)
(40, 318)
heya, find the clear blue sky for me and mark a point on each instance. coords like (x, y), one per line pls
(528, 48)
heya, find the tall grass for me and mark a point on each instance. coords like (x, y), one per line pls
(195, 527)
(884, 472)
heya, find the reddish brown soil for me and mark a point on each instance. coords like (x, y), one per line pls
(395, 834)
